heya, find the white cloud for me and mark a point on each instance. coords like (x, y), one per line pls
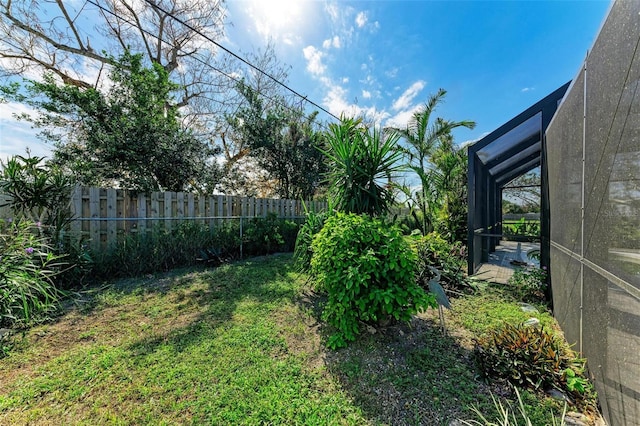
(345, 80)
(336, 102)
(361, 19)
(314, 60)
(470, 142)
(404, 101)
(16, 136)
(392, 73)
(333, 11)
(401, 119)
(527, 89)
(366, 94)
(332, 42)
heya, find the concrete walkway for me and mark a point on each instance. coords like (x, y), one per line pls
(504, 261)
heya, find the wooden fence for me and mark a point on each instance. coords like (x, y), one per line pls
(101, 215)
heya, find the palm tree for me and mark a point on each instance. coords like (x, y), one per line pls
(422, 135)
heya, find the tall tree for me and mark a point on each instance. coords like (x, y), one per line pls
(421, 136)
(75, 40)
(130, 136)
(282, 141)
(448, 179)
(525, 191)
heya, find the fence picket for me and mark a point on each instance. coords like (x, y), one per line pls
(101, 214)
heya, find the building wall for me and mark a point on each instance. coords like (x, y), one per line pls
(593, 152)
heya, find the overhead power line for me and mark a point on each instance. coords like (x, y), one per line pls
(224, 73)
(266, 74)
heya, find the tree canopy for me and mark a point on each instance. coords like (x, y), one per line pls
(130, 136)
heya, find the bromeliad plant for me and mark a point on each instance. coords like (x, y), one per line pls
(532, 357)
(367, 268)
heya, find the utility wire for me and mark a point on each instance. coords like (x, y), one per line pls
(224, 73)
(182, 22)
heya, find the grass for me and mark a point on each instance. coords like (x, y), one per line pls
(241, 344)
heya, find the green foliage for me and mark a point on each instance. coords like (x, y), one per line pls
(529, 284)
(284, 142)
(363, 163)
(367, 269)
(27, 265)
(188, 243)
(441, 168)
(264, 235)
(522, 195)
(39, 192)
(303, 252)
(448, 258)
(506, 415)
(521, 228)
(526, 356)
(131, 135)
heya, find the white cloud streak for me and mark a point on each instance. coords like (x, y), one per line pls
(404, 101)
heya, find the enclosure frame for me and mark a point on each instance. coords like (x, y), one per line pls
(513, 149)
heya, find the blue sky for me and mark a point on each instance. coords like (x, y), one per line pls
(495, 58)
(384, 58)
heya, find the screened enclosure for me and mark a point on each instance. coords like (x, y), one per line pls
(510, 151)
(593, 151)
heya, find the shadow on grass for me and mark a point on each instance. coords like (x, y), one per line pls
(217, 293)
(407, 374)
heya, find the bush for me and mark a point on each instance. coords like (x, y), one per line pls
(303, 252)
(448, 258)
(264, 235)
(367, 269)
(27, 265)
(529, 284)
(527, 357)
(189, 243)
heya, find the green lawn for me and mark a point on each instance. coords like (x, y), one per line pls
(240, 344)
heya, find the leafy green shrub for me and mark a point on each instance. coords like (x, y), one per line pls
(269, 234)
(27, 265)
(448, 258)
(526, 356)
(303, 252)
(367, 269)
(521, 228)
(529, 284)
(157, 249)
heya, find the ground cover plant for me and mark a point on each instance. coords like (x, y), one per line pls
(244, 344)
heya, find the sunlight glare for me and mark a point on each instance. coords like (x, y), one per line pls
(274, 17)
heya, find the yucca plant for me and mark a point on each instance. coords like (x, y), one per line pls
(363, 164)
